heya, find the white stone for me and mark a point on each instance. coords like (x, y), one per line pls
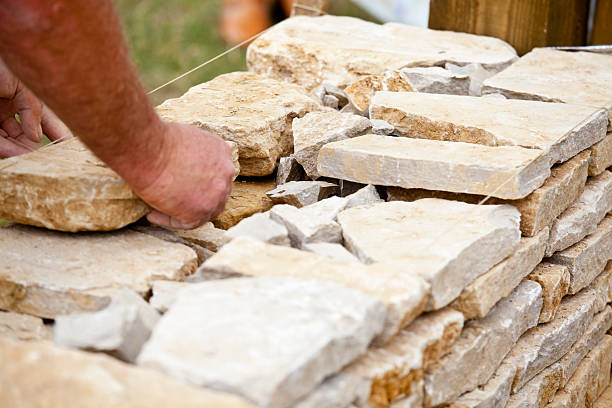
(333, 251)
(302, 193)
(165, 294)
(494, 394)
(306, 229)
(289, 170)
(477, 75)
(331, 101)
(382, 127)
(261, 227)
(539, 391)
(364, 197)
(437, 80)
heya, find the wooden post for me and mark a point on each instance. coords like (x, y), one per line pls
(525, 24)
(602, 29)
(309, 7)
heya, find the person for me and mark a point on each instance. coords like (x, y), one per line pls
(69, 57)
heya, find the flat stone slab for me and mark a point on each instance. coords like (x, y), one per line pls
(230, 332)
(65, 187)
(508, 172)
(23, 327)
(308, 51)
(403, 293)
(555, 283)
(46, 274)
(305, 228)
(601, 156)
(447, 243)
(41, 373)
(333, 251)
(206, 236)
(437, 80)
(494, 394)
(479, 297)
(539, 391)
(581, 78)
(560, 130)
(253, 111)
(247, 198)
(302, 193)
(261, 227)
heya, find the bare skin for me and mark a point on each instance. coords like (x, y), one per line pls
(72, 55)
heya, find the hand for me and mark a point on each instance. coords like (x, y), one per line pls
(23, 136)
(195, 181)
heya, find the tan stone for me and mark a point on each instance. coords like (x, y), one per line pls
(601, 156)
(23, 327)
(247, 198)
(253, 111)
(602, 285)
(302, 193)
(361, 92)
(207, 236)
(560, 130)
(309, 8)
(308, 51)
(555, 281)
(38, 375)
(479, 297)
(403, 293)
(505, 172)
(581, 78)
(65, 187)
(436, 80)
(235, 157)
(605, 400)
(47, 273)
(494, 394)
(447, 243)
(539, 391)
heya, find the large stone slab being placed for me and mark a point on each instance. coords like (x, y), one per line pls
(583, 216)
(23, 327)
(253, 111)
(555, 282)
(507, 172)
(65, 187)
(581, 78)
(247, 198)
(308, 51)
(226, 335)
(601, 156)
(447, 243)
(561, 131)
(403, 293)
(44, 375)
(46, 274)
(479, 297)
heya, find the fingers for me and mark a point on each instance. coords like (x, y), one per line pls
(8, 148)
(53, 127)
(164, 220)
(30, 112)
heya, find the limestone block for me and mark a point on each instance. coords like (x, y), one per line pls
(545, 344)
(289, 170)
(437, 80)
(230, 332)
(364, 197)
(121, 329)
(22, 327)
(482, 346)
(447, 243)
(602, 287)
(583, 216)
(361, 92)
(506, 172)
(539, 391)
(403, 293)
(588, 258)
(306, 229)
(171, 236)
(581, 78)
(333, 251)
(47, 273)
(605, 401)
(476, 73)
(235, 157)
(247, 198)
(601, 156)
(560, 130)
(165, 294)
(261, 227)
(555, 282)
(479, 297)
(302, 193)
(38, 374)
(253, 111)
(493, 394)
(65, 187)
(207, 236)
(308, 51)
(317, 129)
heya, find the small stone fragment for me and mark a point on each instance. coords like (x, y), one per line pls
(317, 129)
(262, 228)
(364, 197)
(437, 80)
(555, 282)
(165, 293)
(302, 193)
(601, 156)
(22, 327)
(335, 91)
(382, 127)
(247, 198)
(207, 236)
(322, 327)
(494, 394)
(306, 229)
(329, 250)
(331, 101)
(235, 159)
(361, 92)
(289, 170)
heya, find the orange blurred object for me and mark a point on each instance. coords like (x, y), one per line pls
(287, 6)
(242, 19)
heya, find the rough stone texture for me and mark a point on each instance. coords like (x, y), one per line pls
(588, 258)
(602, 286)
(165, 293)
(333, 251)
(65, 187)
(22, 327)
(320, 326)
(583, 216)
(482, 346)
(171, 236)
(331, 101)
(581, 78)
(403, 294)
(437, 80)
(605, 400)
(47, 273)
(364, 197)
(493, 394)
(246, 199)
(44, 375)
(307, 51)
(476, 73)
(306, 228)
(506, 172)
(261, 227)
(253, 111)
(302, 193)
(235, 157)
(289, 170)
(555, 282)
(479, 297)
(361, 92)
(121, 329)
(539, 391)
(206, 236)
(309, 8)
(561, 131)
(381, 127)
(545, 344)
(447, 243)
(317, 129)
(601, 156)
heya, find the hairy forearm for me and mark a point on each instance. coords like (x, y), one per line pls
(73, 56)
